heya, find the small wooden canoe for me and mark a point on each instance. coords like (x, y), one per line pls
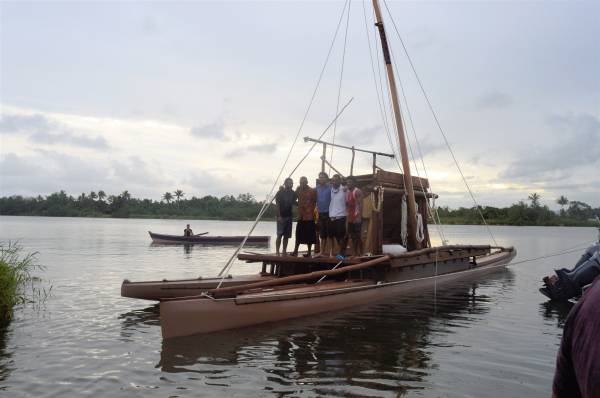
(207, 239)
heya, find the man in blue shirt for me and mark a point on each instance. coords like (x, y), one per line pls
(323, 199)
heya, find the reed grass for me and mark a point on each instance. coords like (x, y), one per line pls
(16, 279)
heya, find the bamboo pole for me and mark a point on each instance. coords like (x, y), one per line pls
(412, 208)
(296, 278)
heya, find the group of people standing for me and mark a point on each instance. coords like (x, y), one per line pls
(331, 209)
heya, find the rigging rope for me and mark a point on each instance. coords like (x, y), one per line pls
(434, 211)
(337, 106)
(563, 252)
(269, 198)
(379, 88)
(438, 123)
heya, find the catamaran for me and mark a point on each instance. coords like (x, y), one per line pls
(398, 254)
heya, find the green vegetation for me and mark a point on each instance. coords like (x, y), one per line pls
(521, 213)
(15, 275)
(173, 205)
(245, 207)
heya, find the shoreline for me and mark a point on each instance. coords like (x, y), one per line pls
(448, 221)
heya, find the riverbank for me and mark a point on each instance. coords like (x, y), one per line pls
(244, 207)
(560, 222)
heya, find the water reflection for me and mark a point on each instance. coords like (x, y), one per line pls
(5, 356)
(383, 347)
(137, 320)
(558, 310)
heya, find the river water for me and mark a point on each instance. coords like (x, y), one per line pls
(493, 337)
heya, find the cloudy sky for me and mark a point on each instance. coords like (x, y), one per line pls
(208, 96)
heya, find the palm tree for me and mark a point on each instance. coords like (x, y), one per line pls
(168, 197)
(126, 195)
(535, 199)
(101, 195)
(178, 194)
(562, 201)
(93, 195)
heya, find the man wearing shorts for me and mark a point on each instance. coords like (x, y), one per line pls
(285, 199)
(337, 211)
(323, 199)
(354, 199)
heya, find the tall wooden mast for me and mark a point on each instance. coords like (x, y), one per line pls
(412, 208)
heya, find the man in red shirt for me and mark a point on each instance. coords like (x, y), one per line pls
(354, 199)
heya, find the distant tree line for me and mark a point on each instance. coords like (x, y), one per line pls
(246, 207)
(572, 213)
(123, 205)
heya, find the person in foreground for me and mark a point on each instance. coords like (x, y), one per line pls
(568, 283)
(305, 227)
(188, 231)
(577, 364)
(354, 198)
(285, 199)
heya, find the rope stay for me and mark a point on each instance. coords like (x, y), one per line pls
(431, 208)
(379, 88)
(432, 211)
(438, 123)
(337, 106)
(269, 196)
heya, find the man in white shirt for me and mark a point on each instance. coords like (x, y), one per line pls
(337, 211)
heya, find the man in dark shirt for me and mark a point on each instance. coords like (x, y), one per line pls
(188, 231)
(285, 199)
(578, 363)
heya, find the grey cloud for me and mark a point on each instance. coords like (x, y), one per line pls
(69, 139)
(254, 148)
(209, 131)
(360, 136)
(12, 124)
(575, 144)
(49, 171)
(40, 129)
(428, 147)
(494, 100)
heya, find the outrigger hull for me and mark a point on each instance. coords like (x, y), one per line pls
(195, 315)
(157, 290)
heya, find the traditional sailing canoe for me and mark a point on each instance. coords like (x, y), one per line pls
(207, 239)
(299, 295)
(401, 258)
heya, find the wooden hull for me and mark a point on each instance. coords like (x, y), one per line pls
(156, 290)
(194, 315)
(207, 239)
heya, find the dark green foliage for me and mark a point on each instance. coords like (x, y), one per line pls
(59, 204)
(578, 214)
(245, 207)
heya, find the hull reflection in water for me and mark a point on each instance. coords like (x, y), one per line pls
(382, 347)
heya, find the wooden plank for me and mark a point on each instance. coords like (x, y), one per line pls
(430, 258)
(275, 259)
(383, 176)
(233, 290)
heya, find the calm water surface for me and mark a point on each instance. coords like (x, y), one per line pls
(487, 338)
